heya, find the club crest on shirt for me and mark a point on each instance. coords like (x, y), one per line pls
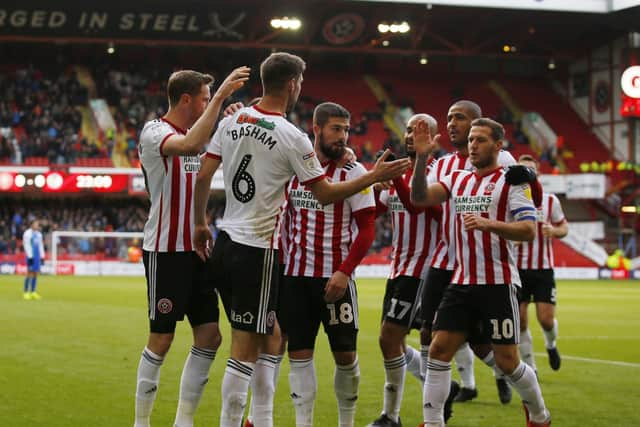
(489, 188)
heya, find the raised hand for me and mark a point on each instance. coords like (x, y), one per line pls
(234, 81)
(386, 171)
(232, 108)
(423, 142)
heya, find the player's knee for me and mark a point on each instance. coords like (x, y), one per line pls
(507, 362)
(546, 321)
(344, 357)
(439, 351)
(160, 343)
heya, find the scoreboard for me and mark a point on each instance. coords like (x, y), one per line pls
(82, 180)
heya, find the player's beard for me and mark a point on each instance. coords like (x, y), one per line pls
(331, 152)
(481, 163)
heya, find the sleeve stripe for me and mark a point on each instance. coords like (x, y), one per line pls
(213, 156)
(525, 218)
(522, 209)
(313, 180)
(163, 141)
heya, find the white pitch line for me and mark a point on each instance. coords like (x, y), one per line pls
(602, 361)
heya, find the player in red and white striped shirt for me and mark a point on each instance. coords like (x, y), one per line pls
(489, 213)
(324, 245)
(175, 275)
(459, 118)
(535, 264)
(415, 234)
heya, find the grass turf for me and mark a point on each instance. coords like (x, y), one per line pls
(71, 358)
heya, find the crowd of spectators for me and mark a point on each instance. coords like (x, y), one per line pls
(103, 215)
(39, 115)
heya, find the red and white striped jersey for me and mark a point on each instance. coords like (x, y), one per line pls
(538, 254)
(170, 182)
(444, 256)
(260, 152)
(414, 236)
(483, 257)
(319, 237)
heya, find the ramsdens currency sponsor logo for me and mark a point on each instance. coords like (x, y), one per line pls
(472, 204)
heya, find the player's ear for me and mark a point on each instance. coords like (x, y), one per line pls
(185, 98)
(316, 129)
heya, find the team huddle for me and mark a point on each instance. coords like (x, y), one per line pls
(471, 249)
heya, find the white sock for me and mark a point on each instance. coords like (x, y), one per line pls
(147, 386)
(412, 356)
(526, 349)
(195, 375)
(303, 386)
(464, 363)
(523, 380)
(437, 385)
(345, 384)
(490, 361)
(235, 385)
(262, 390)
(424, 358)
(550, 336)
(276, 371)
(395, 370)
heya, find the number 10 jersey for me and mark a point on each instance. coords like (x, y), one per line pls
(260, 152)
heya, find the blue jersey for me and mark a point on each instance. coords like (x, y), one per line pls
(33, 244)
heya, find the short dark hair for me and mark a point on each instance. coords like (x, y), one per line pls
(474, 110)
(278, 69)
(497, 130)
(186, 82)
(323, 112)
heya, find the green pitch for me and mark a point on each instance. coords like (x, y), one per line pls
(71, 359)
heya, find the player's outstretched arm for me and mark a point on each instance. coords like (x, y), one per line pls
(202, 237)
(523, 231)
(198, 136)
(424, 144)
(327, 193)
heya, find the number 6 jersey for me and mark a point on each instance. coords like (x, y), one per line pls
(260, 152)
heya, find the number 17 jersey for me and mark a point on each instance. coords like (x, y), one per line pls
(260, 152)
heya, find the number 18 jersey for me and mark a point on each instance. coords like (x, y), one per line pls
(260, 152)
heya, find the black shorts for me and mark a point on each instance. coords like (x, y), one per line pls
(436, 282)
(481, 311)
(539, 284)
(304, 308)
(402, 299)
(247, 280)
(177, 284)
